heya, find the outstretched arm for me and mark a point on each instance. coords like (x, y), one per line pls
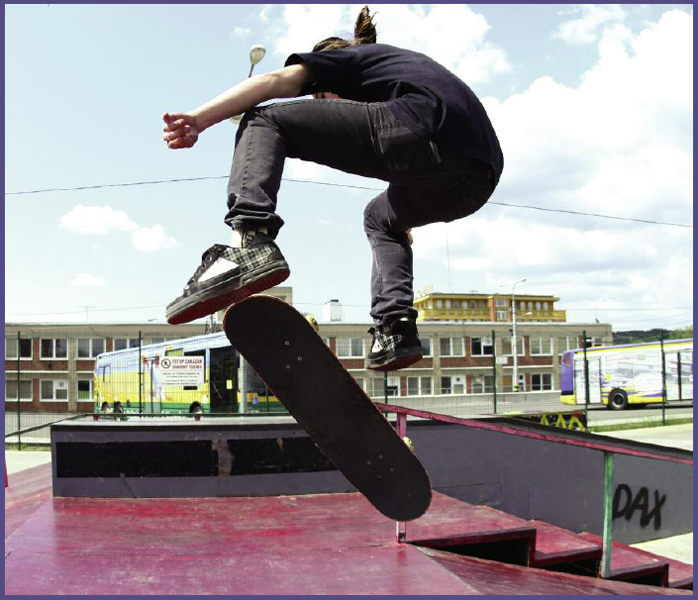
(182, 129)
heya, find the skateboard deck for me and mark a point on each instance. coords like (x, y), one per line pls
(304, 374)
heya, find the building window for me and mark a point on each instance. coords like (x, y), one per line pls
(54, 390)
(350, 347)
(55, 348)
(85, 390)
(481, 346)
(502, 315)
(453, 385)
(502, 303)
(25, 390)
(426, 346)
(451, 346)
(530, 306)
(541, 346)
(419, 386)
(25, 348)
(483, 384)
(567, 343)
(541, 382)
(379, 386)
(456, 304)
(124, 343)
(473, 305)
(448, 305)
(507, 346)
(90, 348)
(439, 304)
(157, 340)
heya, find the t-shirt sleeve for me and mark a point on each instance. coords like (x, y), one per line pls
(333, 70)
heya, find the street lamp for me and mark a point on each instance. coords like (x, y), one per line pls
(515, 346)
(257, 53)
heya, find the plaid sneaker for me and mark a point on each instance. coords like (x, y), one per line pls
(227, 275)
(395, 346)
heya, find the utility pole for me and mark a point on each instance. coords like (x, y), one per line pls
(515, 345)
(87, 308)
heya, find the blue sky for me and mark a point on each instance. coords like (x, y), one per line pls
(593, 105)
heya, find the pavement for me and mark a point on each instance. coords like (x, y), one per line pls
(17, 460)
(676, 436)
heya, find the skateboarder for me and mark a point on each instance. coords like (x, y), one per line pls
(378, 111)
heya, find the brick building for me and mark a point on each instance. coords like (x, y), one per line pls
(468, 347)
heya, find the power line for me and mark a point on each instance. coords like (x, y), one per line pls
(320, 304)
(601, 309)
(342, 185)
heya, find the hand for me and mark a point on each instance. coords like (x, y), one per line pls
(181, 130)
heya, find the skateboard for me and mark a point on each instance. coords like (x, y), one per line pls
(304, 374)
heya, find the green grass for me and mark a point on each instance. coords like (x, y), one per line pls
(29, 447)
(639, 425)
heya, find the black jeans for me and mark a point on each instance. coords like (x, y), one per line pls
(427, 184)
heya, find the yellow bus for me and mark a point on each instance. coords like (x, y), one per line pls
(628, 374)
(136, 378)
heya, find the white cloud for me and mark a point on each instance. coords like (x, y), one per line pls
(97, 220)
(453, 35)
(620, 143)
(616, 143)
(241, 31)
(585, 28)
(87, 280)
(150, 239)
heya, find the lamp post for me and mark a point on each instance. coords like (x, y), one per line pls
(257, 53)
(515, 345)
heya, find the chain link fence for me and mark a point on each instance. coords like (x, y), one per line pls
(57, 372)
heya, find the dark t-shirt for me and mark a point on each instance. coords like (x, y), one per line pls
(426, 97)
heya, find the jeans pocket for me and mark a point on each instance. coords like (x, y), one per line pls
(405, 154)
(474, 196)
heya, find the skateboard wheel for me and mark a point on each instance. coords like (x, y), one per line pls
(409, 443)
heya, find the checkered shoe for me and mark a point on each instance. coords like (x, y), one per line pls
(227, 275)
(395, 346)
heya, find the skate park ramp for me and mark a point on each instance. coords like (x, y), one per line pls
(333, 543)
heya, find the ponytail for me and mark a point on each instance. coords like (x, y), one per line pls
(364, 33)
(364, 29)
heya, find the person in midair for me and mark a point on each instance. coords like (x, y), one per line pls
(377, 111)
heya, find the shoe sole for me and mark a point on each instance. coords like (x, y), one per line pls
(198, 309)
(399, 362)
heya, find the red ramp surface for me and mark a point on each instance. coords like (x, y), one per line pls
(316, 544)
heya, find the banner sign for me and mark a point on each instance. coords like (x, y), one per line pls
(182, 370)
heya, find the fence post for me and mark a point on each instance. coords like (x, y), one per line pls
(586, 376)
(607, 514)
(678, 366)
(494, 372)
(140, 372)
(661, 346)
(19, 394)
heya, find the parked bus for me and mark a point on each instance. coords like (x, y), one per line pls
(134, 377)
(628, 374)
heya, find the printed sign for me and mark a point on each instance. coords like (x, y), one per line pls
(182, 370)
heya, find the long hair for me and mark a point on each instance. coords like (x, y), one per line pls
(364, 33)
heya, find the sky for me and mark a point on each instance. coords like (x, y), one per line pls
(593, 106)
